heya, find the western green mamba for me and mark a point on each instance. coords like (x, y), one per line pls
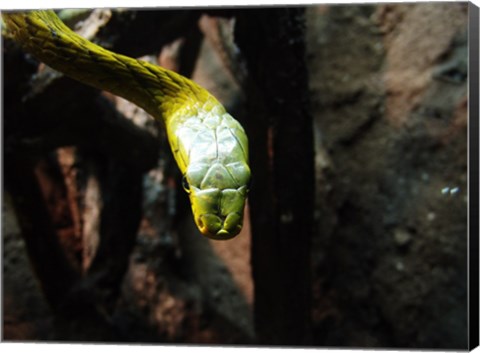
(209, 145)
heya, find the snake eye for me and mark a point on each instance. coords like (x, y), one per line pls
(185, 184)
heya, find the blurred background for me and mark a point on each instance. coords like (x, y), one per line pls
(356, 228)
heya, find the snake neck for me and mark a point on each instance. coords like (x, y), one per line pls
(157, 90)
(210, 147)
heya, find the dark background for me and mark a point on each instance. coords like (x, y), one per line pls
(357, 232)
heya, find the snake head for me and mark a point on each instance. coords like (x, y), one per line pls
(218, 201)
(211, 150)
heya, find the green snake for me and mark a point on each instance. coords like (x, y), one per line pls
(209, 145)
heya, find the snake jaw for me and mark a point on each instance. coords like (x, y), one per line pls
(223, 232)
(218, 213)
(218, 227)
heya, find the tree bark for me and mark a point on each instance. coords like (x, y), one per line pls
(281, 200)
(77, 116)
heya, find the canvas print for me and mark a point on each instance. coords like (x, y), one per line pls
(257, 176)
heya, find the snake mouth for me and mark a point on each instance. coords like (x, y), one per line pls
(219, 228)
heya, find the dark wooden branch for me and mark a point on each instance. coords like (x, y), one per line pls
(281, 140)
(189, 51)
(55, 273)
(76, 115)
(119, 221)
(142, 32)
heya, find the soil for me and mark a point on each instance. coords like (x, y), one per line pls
(389, 100)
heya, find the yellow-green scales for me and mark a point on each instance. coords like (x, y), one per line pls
(209, 145)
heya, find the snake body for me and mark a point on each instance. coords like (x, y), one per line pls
(209, 145)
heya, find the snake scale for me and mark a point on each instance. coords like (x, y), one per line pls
(209, 145)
